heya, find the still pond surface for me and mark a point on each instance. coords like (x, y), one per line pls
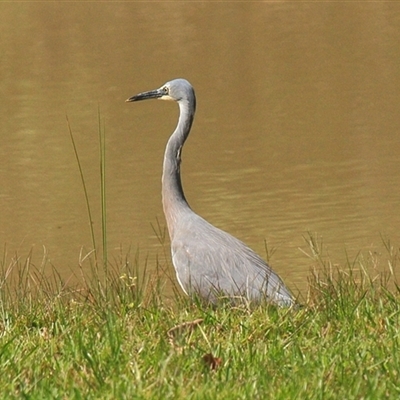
(297, 127)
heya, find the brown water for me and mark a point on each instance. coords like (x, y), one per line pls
(297, 129)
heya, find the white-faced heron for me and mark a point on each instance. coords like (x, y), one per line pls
(209, 262)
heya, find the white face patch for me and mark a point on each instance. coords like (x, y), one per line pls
(166, 97)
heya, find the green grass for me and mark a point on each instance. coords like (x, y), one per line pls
(118, 337)
(115, 335)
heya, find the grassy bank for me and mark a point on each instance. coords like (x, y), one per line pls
(115, 337)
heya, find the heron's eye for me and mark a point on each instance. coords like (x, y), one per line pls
(165, 90)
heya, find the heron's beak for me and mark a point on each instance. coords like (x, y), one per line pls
(152, 94)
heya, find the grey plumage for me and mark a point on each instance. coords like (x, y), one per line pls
(209, 262)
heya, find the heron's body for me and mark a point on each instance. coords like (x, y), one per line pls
(209, 262)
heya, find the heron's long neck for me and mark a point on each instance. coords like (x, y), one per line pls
(174, 201)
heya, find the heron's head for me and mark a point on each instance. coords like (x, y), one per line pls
(177, 90)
